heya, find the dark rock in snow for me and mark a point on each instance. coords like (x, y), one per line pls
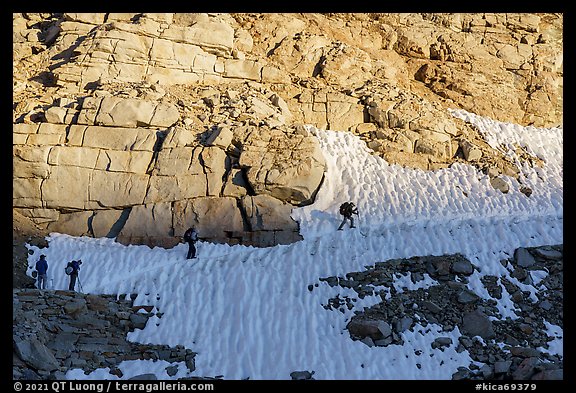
(301, 375)
(467, 296)
(526, 369)
(462, 266)
(550, 254)
(364, 328)
(441, 342)
(477, 323)
(143, 377)
(523, 257)
(385, 329)
(502, 367)
(403, 324)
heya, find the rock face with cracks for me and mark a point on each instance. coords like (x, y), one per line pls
(135, 126)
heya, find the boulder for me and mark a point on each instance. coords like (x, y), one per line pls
(118, 138)
(75, 307)
(524, 258)
(301, 375)
(441, 342)
(36, 354)
(462, 266)
(500, 184)
(373, 329)
(549, 254)
(236, 184)
(526, 369)
(283, 164)
(221, 137)
(471, 152)
(549, 375)
(476, 323)
(215, 164)
(502, 367)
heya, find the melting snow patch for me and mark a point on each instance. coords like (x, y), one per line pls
(556, 346)
(402, 282)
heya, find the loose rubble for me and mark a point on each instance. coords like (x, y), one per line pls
(55, 331)
(510, 349)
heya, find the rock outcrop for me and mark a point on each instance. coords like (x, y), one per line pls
(55, 331)
(136, 126)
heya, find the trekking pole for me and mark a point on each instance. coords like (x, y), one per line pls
(80, 284)
(360, 227)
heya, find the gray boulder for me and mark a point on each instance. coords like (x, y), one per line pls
(477, 323)
(462, 266)
(523, 257)
(300, 375)
(36, 354)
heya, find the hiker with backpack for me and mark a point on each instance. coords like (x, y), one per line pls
(42, 271)
(347, 209)
(190, 237)
(72, 269)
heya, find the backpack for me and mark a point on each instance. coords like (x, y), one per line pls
(345, 208)
(191, 235)
(68, 269)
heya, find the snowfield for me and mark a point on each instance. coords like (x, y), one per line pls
(248, 313)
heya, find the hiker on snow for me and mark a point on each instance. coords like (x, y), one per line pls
(190, 237)
(42, 269)
(347, 209)
(72, 270)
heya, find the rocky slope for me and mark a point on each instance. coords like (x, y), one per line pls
(55, 331)
(515, 349)
(136, 126)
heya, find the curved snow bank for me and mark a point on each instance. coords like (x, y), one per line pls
(390, 195)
